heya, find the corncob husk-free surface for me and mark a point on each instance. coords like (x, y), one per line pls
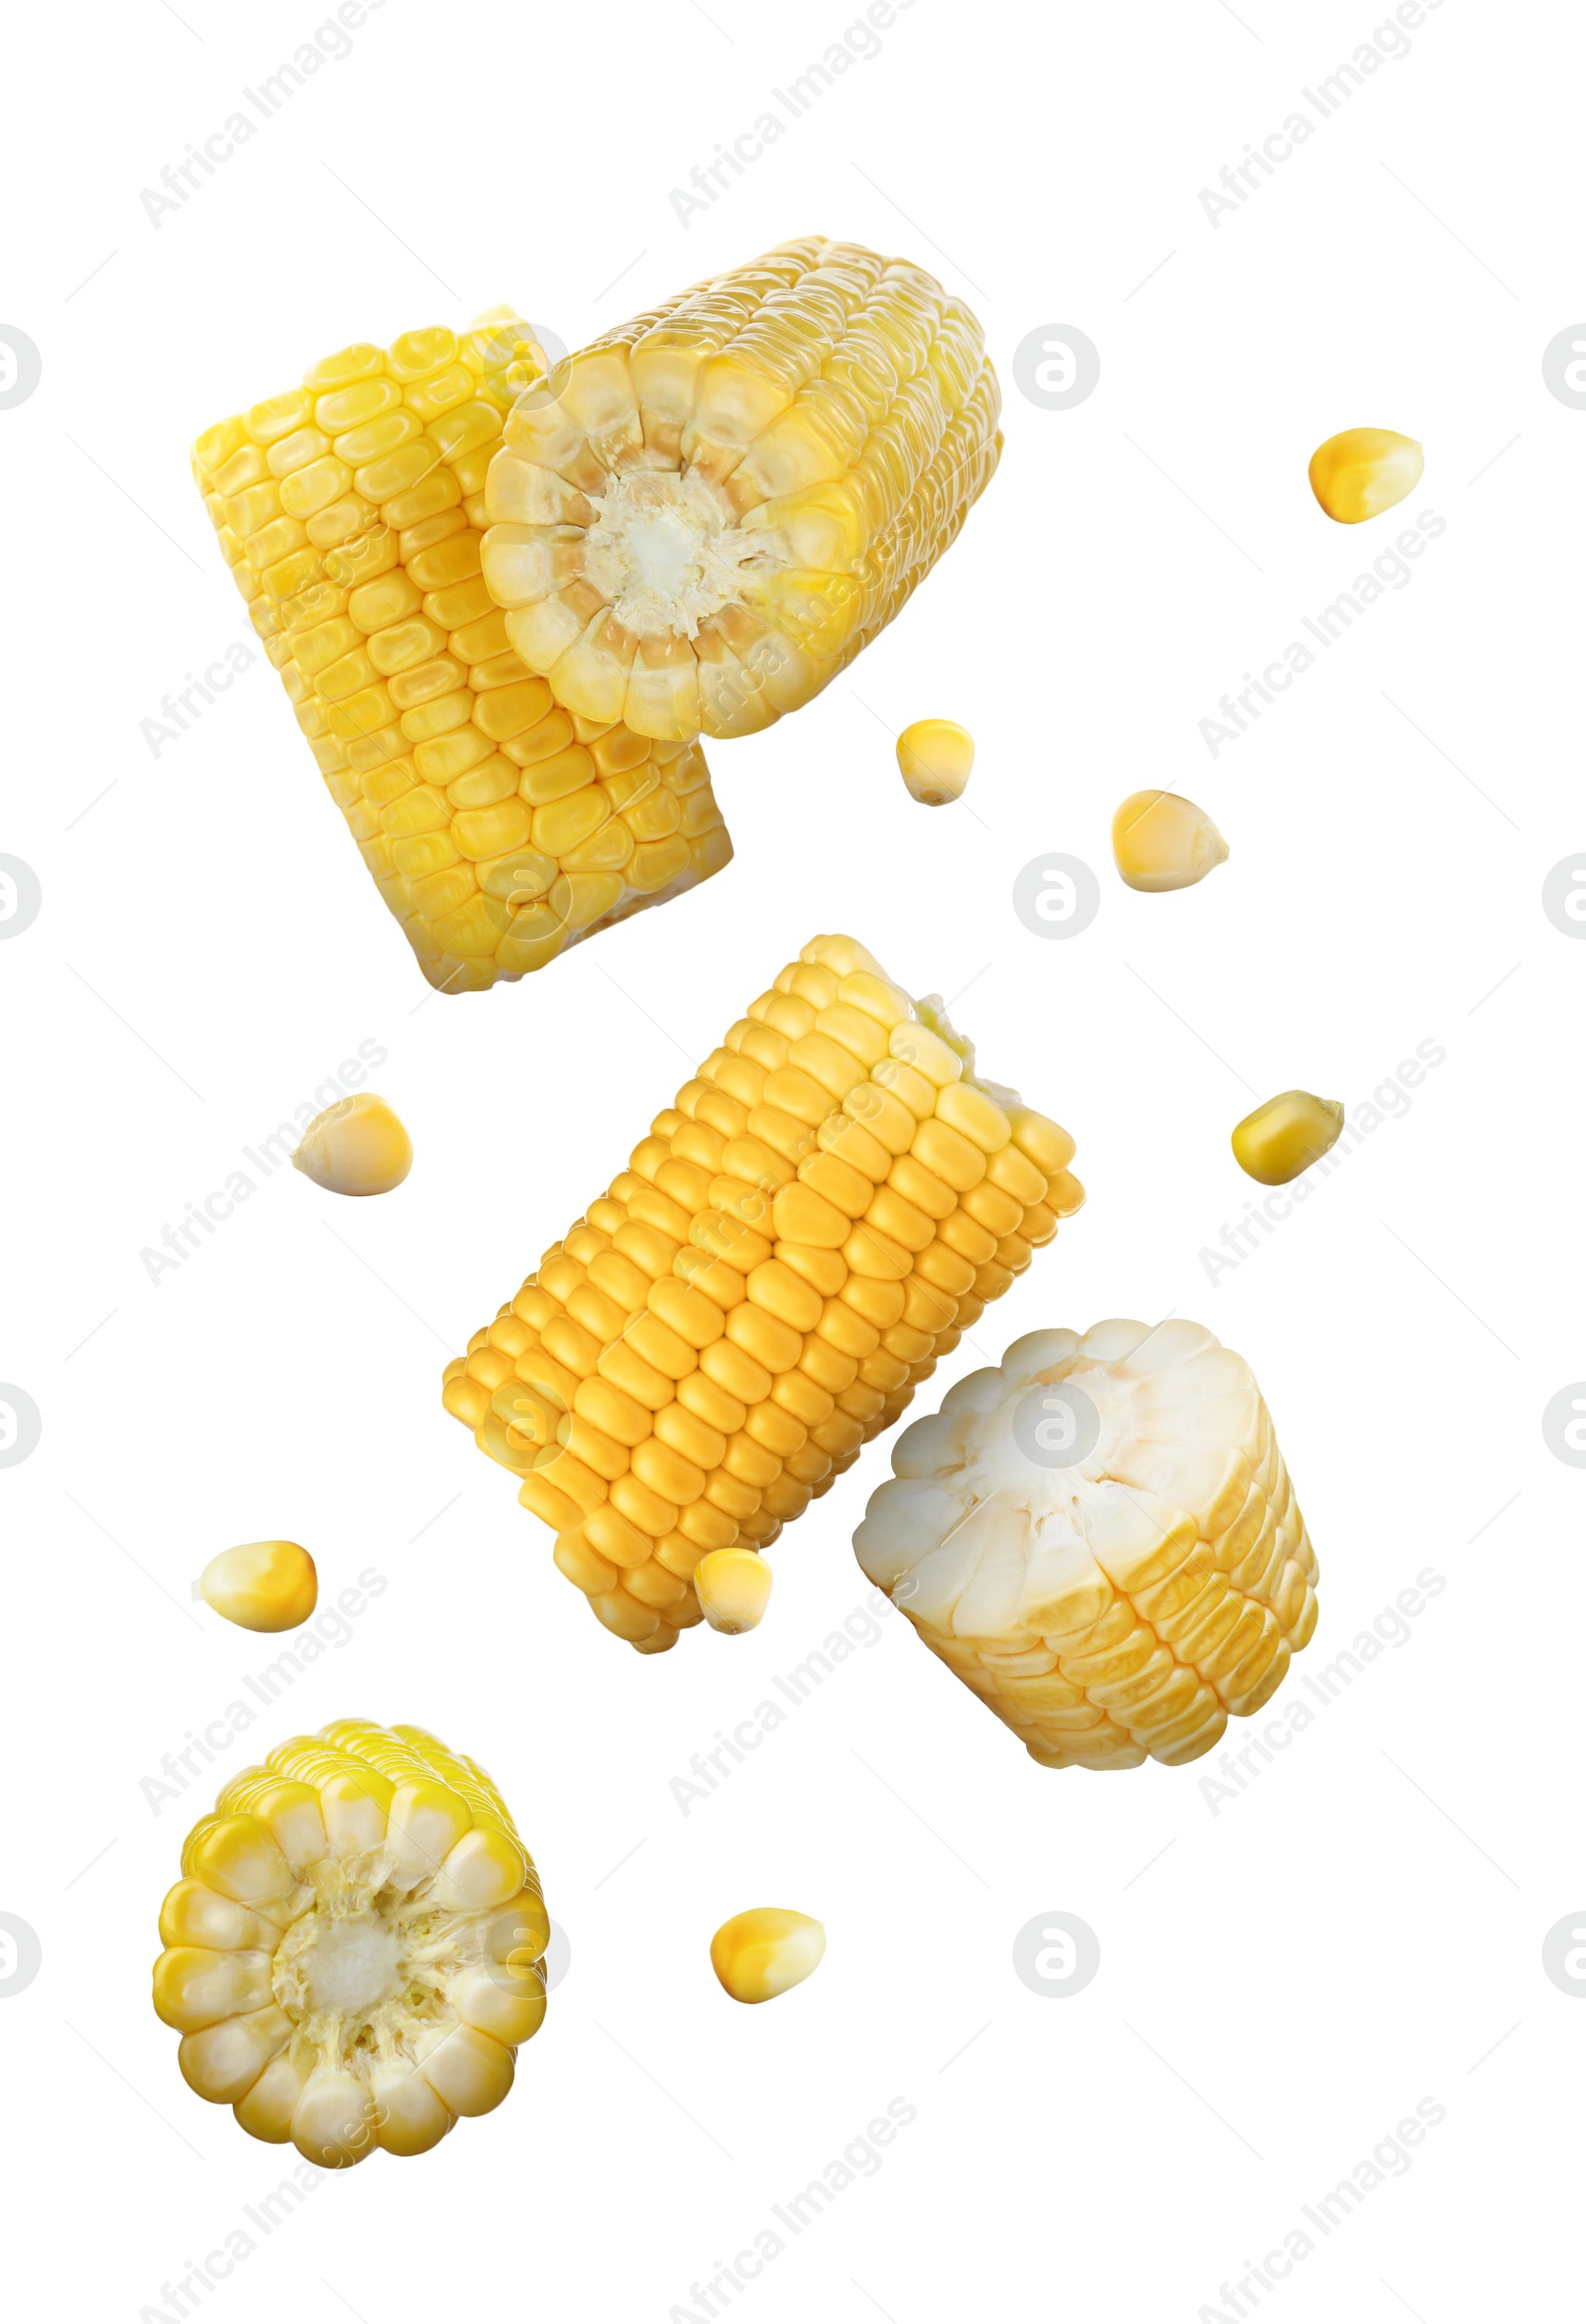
(706, 513)
(499, 827)
(826, 1207)
(1123, 1604)
(355, 1947)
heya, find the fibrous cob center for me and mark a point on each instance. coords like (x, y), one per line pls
(363, 1968)
(665, 553)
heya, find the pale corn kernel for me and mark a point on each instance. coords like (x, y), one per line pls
(701, 1356)
(1364, 470)
(934, 758)
(356, 1146)
(767, 1951)
(1286, 1136)
(1161, 841)
(356, 1949)
(261, 1585)
(1100, 1537)
(733, 1587)
(361, 567)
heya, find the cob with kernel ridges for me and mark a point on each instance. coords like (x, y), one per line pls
(497, 828)
(706, 513)
(1101, 1540)
(828, 1204)
(355, 1947)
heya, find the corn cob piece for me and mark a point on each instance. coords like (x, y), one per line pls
(499, 829)
(355, 1947)
(1120, 1603)
(707, 512)
(826, 1206)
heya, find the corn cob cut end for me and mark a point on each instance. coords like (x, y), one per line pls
(1100, 1539)
(355, 1949)
(499, 829)
(826, 1206)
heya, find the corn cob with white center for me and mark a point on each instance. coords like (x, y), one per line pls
(355, 1949)
(708, 511)
(826, 1208)
(499, 829)
(1123, 1602)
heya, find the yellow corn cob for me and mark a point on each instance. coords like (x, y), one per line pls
(499, 829)
(826, 1206)
(355, 1949)
(1120, 1602)
(706, 513)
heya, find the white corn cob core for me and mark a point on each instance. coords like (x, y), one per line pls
(1122, 1606)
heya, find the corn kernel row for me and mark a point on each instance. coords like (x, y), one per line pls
(828, 1204)
(499, 827)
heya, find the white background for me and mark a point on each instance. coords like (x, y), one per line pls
(1282, 1980)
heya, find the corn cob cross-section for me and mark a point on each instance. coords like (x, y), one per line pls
(499, 827)
(1101, 1539)
(355, 1949)
(826, 1207)
(707, 512)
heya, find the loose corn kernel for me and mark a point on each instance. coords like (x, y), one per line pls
(761, 1953)
(1364, 470)
(1100, 1539)
(363, 571)
(934, 758)
(1286, 1136)
(356, 1146)
(356, 1947)
(702, 1356)
(703, 517)
(261, 1585)
(734, 1586)
(1161, 841)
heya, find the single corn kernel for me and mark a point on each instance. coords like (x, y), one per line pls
(356, 1949)
(1364, 470)
(1100, 1538)
(356, 1146)
(761, 1953)
(1161, 841)
(1286, 1136)
(733, 1587)
(935, 757)
(261, 1585)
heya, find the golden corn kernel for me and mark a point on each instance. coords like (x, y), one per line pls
(356, 1146)
(828, 1206)
(1161, 841)
(761, 1953)
(352, 514)
(1364, 470)
(1100, 1539)
(934, 758)
(1286, 1136)
(356, 1949)
(261, 1585)
(734, 1587)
